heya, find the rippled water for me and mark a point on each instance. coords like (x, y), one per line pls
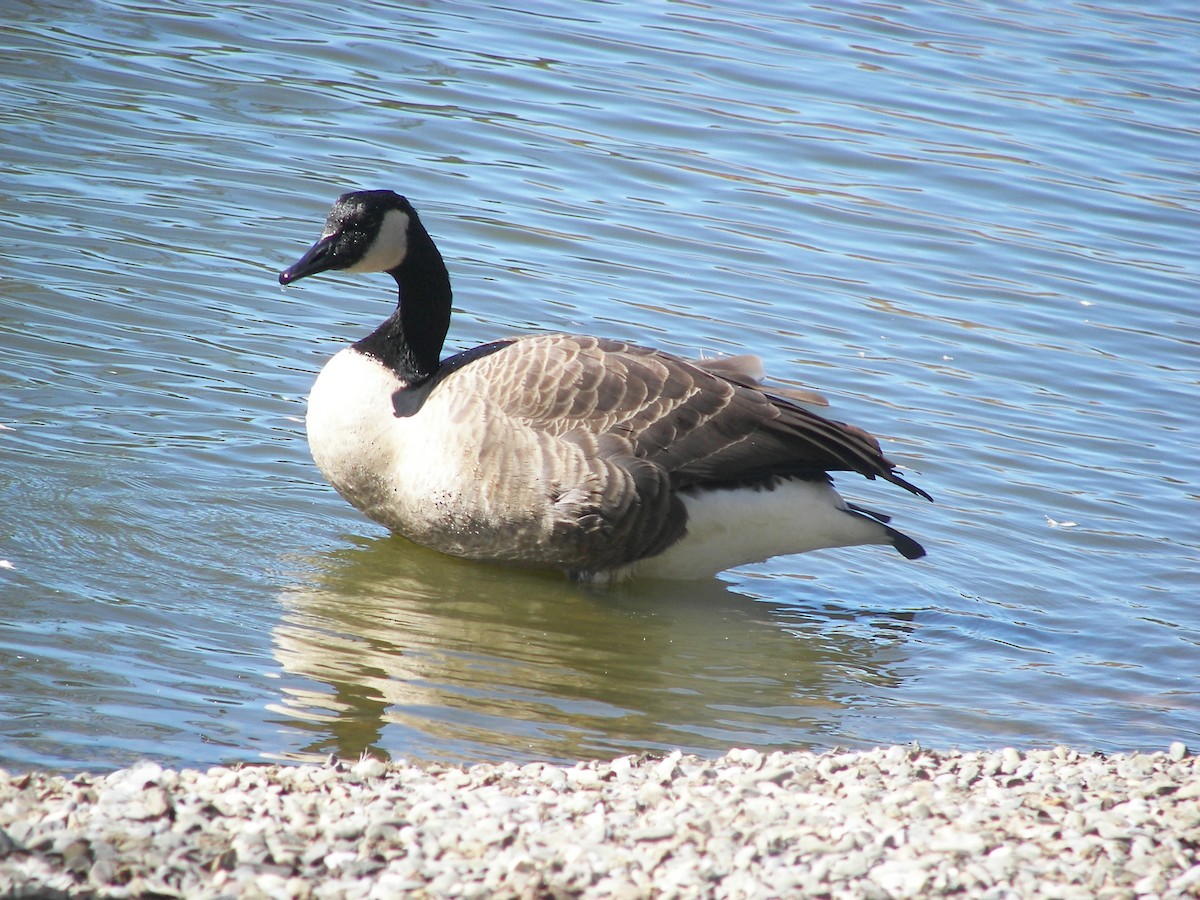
(973, 226)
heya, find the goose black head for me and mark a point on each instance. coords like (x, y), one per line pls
(366, 231)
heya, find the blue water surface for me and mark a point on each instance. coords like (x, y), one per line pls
(972, 226)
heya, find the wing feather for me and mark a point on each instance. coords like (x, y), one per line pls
(645, 424)
(700, 423)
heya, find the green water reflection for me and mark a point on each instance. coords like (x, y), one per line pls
(416, 653)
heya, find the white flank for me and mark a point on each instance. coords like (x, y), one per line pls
(728, 528)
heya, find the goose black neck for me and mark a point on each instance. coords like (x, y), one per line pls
(410, 341)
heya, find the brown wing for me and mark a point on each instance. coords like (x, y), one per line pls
(606, 433)
(703, 425)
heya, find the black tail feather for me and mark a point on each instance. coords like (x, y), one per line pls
(906, 546)
(883, 518)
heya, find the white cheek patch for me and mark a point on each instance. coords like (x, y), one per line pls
(389, 247)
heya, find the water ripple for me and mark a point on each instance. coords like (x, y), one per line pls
(972, 227)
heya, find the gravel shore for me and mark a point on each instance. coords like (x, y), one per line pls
(891, 822)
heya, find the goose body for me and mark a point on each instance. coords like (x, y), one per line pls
(594, 456)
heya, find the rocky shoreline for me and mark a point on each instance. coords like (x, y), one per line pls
(890, 822)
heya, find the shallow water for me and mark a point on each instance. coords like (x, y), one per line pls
(972, 227)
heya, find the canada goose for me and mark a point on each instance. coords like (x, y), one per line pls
(593, 456)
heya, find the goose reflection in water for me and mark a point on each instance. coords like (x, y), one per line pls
(412, 653)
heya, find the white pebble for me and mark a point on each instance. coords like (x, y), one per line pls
(891, 822)
(369, 767)
(1010, 759)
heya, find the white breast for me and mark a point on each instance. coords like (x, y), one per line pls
(428, 476)
(349, 409)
